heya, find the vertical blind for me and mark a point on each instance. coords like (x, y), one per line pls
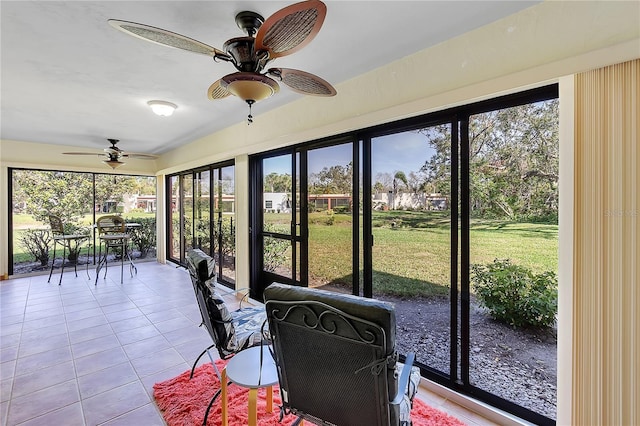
(606, 296)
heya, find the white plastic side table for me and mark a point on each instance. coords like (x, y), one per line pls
(244, 370)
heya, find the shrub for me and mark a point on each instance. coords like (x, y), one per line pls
(37, 242)
(72, 228)
(275, 249)
(515, 295)
(144, 237)
(228, 237)
(330, 217)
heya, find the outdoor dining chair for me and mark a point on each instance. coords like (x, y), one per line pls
(71, 242)
(113, 236)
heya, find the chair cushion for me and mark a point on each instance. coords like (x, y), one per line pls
(231, 331)
(248, 324)
(202, 265)
(237, 330)
(410, 393)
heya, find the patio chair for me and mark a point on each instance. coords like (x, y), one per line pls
(230, 331)
(336, 358)
(113, 236)
(72, 242)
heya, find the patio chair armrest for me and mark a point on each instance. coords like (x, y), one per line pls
(403, 381)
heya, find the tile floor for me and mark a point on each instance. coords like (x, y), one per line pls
(79, 354)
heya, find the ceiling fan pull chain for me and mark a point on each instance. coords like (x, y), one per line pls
(249, 117)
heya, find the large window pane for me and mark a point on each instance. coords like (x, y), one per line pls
(330, 212)
(201, 210)
(513, 242)
(277, 249)
(226, 225)
(77, 198)
(175, 229)
(186, 197)
(203, 216)
(276, 194)
(411, 217)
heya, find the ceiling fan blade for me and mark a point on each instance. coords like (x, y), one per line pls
(97, 154)
(303, 82)
(139, 156)
(291, 28)
(216, 91)
(166, 38)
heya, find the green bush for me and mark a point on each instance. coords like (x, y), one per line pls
(331, 218)
(144, 237)
(37, 242)
(515, 295)
(274, 251)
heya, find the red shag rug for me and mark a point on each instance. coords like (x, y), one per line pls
(183, 402)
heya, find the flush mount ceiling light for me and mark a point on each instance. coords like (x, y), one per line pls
(162, 108)
(283, 33)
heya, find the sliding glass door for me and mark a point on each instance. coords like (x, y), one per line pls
(276, 211)
(202, 206)
(412, 210)
(452, 217)
(330, 210)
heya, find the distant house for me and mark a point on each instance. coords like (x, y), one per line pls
(409, 200)
(276, 202)
(323, 202)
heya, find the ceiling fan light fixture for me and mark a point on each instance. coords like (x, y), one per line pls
(162, 108)
(249, 86)
(114, 164)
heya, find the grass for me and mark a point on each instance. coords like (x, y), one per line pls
(411, 251)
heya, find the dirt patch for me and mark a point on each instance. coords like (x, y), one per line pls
(516, 364)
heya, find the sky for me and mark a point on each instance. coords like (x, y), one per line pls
(405, 152)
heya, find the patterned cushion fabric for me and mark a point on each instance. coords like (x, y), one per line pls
(230, 331)
(410, 393)
(248, 327)
(236, 330)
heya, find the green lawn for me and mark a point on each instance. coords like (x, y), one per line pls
(411, 252)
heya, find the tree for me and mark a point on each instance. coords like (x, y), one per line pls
(114, 187)
(64, 194)
(383, 182)
(513, 155)
(275, 182)
(437, 170)
(398, 176)
(332, 180)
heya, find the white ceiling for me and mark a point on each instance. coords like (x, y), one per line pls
(69, 78)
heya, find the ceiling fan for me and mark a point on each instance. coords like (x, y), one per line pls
(283, 33)
(112, 155)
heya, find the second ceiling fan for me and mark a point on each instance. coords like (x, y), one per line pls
(283, 33)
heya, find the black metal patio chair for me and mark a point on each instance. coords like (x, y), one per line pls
(68, 241)
(231, 331)
(336, 358)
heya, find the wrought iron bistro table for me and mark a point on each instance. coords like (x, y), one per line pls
(248, 370)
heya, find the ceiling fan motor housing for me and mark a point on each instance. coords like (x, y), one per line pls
(243, 54)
